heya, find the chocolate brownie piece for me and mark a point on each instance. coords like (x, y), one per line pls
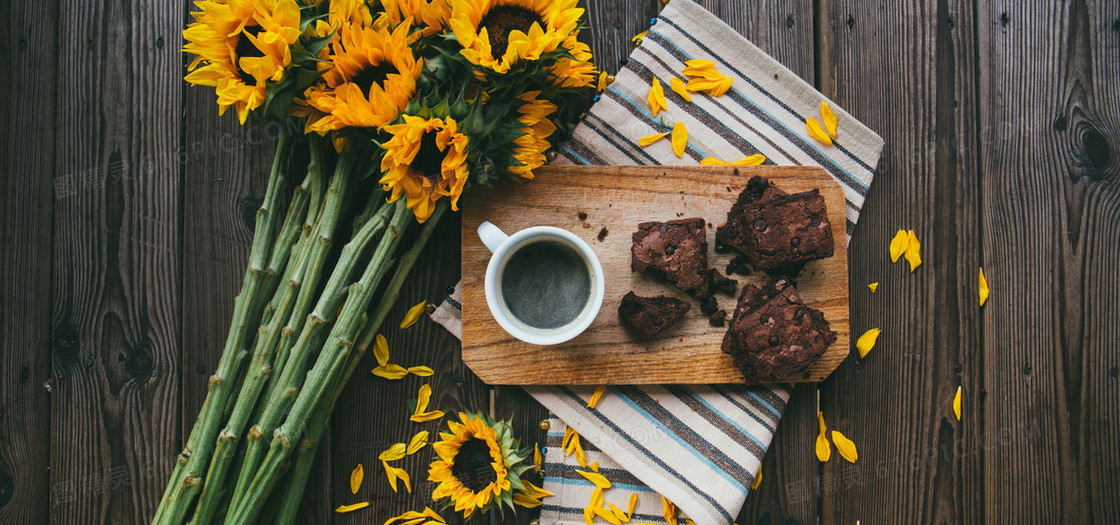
(775, 230)
(650, 315)
(773, 334)
(676, 250)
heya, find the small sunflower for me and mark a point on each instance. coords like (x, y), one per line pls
(372, 79)
(240, 46)
(497, 34)
(536, 126)
(479, 464)
(425, 159)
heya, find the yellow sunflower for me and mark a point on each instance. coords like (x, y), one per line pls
(575, 72)
(496, 34)
(372, 79)
(531, 146)
(478, 464)
(425, 159)
(240, 45)
(428, 17)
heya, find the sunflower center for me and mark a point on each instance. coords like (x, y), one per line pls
(472, 466)
(373, 73)
(503, 19)
(244, 49)
(429, 162)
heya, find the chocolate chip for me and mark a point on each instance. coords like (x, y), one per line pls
(759, 225)
(670, 249)
(774, 341)
(795, 242)
(764, 319)
(798, 315)
(814, 220)
(664, 227)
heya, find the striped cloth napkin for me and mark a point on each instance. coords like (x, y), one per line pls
(698, 446)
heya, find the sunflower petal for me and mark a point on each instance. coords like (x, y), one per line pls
(523, 500)
(983, 289)
(873, 287)
(418, 442)
(343, 509)
(913, 251)
(381, 350)
(677, 86)
(427, 416)
(390, 371)
(633, 503)
(957, 404)
(656, 97)
(757, 479)
(867, 341)
(393, 453)
(356, 477)
(650, 139)
(413, 314)
(817, 132)
(829, 119)
(581, 458)
(423, 397)
(845, 446)
(670, 510)
(753, 160)
(712, 161)
(598, 394)
(679, 139)
(898, 245)
(824, 449)
(421, 371)
(618, 514)
(538, 459)
(599, 480)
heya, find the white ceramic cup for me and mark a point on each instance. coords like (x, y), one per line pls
(502, 247)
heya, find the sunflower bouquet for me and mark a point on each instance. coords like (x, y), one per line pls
(395, 108)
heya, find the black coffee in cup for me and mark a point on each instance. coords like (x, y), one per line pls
(546, 284)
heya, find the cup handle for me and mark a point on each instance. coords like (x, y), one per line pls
(491, 236)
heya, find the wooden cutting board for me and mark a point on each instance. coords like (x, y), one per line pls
(615, 199)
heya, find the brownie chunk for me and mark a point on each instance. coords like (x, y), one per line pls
(776, 230)
(650, 315)
(676, 250)
(773, 334)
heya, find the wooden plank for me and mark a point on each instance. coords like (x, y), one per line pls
(1047, 391)
(115, 291)
(615, 200)
(28, 47)
(906, 69)
(372, 414)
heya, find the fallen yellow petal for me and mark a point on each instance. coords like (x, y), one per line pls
(581, 458)
(569, 447)
(650, 139)
(867, 341)
(523, 500)
(753, 160)
(679, 139)
(534, 491)
(817, 132)
(358, 474)
(670, 511)
(873, 287)
(421, 371)
(538, 460)
(824, 449)
(381, 350)
(589, 515)
(599, 480)
(957, 404)
(705, 84)
(618, 513)
(596, 498)
(637, 40)
(594, 466)
(677, 86)
(602, 84)
(829, 119)
(633, 503)
(983, 289)
(413, 314)
(607, 515)
(418, 442)
(845, 446)
(656, 97)
(427, 416)
(898, 245)
(757, 479)
(393, 453)
(423, 398)
(343, 509)
(913, 250)
(390, 371)
(416, 517)
(598, 394)
(700, 64)
(721, 88)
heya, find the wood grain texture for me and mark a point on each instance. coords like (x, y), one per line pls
(115, 292)
(1047, 392)
(27, 193)
(906, 70)
(617, 199)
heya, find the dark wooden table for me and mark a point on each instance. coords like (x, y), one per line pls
(127, 213)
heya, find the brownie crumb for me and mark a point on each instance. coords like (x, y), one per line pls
(708, 305)
(587, 225)
(603, 234)
(738, 265)
(650, 315)
(718, 318)
(582, 216)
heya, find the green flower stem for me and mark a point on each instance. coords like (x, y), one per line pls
(320, 418)
(330, 363)
(264, 347)
(185, 479)
(311, 271)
